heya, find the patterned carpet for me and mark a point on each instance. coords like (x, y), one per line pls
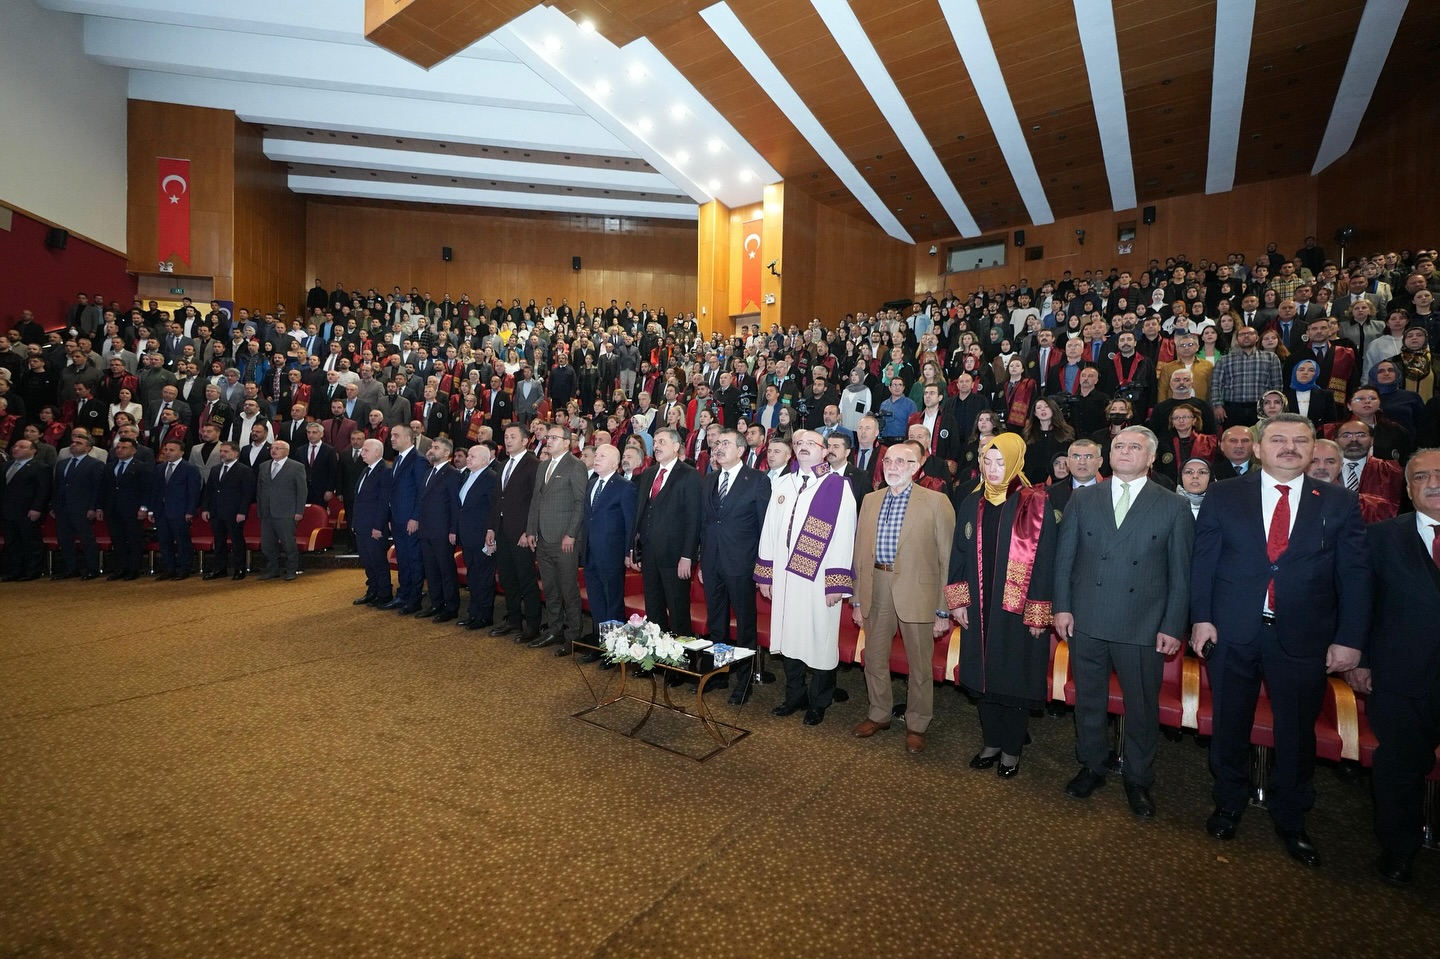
(260, 769)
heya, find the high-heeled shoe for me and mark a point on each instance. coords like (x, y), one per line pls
(982, 761)
(1007, 772)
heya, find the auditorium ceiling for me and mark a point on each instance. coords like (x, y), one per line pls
(933, 118)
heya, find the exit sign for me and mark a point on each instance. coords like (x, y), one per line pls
(178, 290)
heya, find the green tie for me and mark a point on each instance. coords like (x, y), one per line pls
(1123, 506)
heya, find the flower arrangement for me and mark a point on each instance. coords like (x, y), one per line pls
(642, 642)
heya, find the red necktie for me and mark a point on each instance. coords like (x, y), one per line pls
(1279, 538)
(659, 482)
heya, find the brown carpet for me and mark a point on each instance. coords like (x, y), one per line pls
(259, 769)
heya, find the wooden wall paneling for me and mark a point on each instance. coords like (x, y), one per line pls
(713, 267)
(269, 229)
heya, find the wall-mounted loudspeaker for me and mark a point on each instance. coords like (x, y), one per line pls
(1149, 214)
(56, 238)
(445, 254)
(575, 263)
(1019, 237)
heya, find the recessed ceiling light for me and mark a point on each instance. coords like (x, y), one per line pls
(678, 111)
(714, 146)
(602, 88)
(553, 44)
(645, 125)
(587, 26)
(636, 71)
(746, 176)
(682, 158)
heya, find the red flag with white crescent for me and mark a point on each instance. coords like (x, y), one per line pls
(173, 221)
(750, 234)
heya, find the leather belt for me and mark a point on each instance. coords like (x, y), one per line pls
(887, 567)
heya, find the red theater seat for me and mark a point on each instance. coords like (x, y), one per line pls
(314, 532)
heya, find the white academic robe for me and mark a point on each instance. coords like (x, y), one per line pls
(802, 625)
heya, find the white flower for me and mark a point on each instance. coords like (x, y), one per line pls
(637, 651)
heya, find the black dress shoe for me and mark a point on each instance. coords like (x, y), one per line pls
(739, 696)
(114, 577)
(786, 709)
(426, 613)
(1394, 869)
(1085, 783)
(527, 636)
(444, 617)
(59, 576)
(291, 577)
(479, 624)
(563, 649)
(365, 600)
(504, 629)
(408, 609)
(238, 576)
(982, 761)
(1141, 802)
(86, 577)
(606, 664)
(394, 604)
(540, 642)
(380, 602)
(31, 577)
(587, 657)
(1222, 824)
(814, 717)
(1007, 772)
(1298, 845)
(179, 576)
(216, 574)
(130, 577)
(161, 577)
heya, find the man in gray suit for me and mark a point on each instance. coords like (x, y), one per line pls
(554, 529)
(280, 494)
(1122, 598)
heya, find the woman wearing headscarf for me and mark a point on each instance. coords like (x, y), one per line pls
(1195, 479)
(1000, 589)
(1307, 396)
(1401, 405)
(1417, 362)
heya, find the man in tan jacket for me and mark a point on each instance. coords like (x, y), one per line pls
(902, 553)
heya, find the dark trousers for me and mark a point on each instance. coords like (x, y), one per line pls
(229, 536)
(127, 543)
(605, 588)
(1241, 414)
(377, 567)
(172, 537)
(410, 563)
(1140, 670)
(480, 580)
(667, 596)
(1297, 690)
(441, 577)
(516, 566)
(1003, 726)
(1409, 732)
(69, 528)
(560, 573)
(724, 595)
(24, 550)
(817, 694)
(277, 539)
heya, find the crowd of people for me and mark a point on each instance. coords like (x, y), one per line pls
(1244, 454)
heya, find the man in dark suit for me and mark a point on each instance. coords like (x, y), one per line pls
(609, 514)
(514, 561)
(837, 454)
(350, 464)
(1280, 586)
(172, 502)
(497, 405)
(26, 496)
(78, 484)
(370, 522)
(1237, 454)
(733, 500)
(256, 452)
(478, 490)
(127, 483)
(555, 530)
(293, 430)
(408, 471)
(1401, 669)
(322, 467)
(666, 538)
(225, 504)
(1083, 460)
(1122, 600)
(432, 413)
(337, 429)
(280, 503)
(437, 510)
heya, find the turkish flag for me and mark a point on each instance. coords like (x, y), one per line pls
(173, 220)
(750, 264)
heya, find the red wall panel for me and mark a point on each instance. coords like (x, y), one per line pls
(45, 281)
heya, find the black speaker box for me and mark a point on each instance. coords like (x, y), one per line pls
(1019, 237)
(1149, 214)
(445, 254)
(574, 263)
(56, 238)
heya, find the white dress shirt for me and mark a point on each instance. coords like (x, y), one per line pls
(1136, 485)
(1269, 499)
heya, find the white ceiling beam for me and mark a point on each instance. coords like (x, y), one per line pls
(499, 199)
(845, 27)
(337, 153)
(314, 64)
(972, 38)
(1096, 20)
(386, 116)
(1376, 35)
(722, 20)
(1234, 28)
